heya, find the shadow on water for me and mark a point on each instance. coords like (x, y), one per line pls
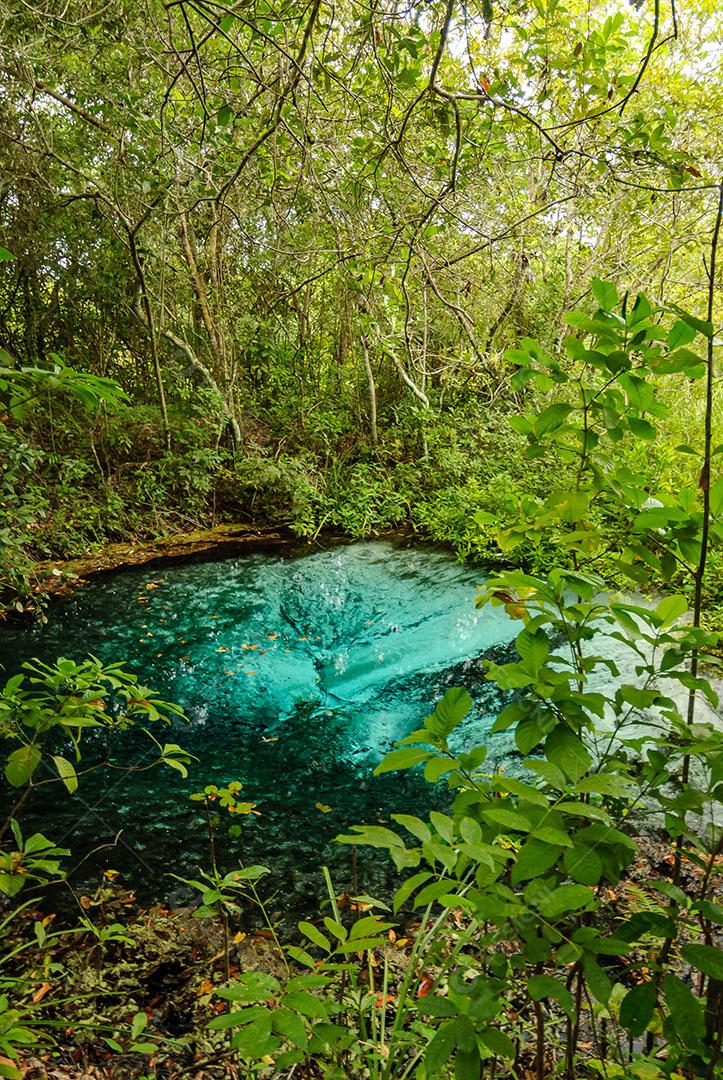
(296, 675)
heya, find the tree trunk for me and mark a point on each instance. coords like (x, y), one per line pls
(372, 389)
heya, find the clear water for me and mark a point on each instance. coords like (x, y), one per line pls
(297, 675)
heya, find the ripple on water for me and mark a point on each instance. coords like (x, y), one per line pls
(296, 674)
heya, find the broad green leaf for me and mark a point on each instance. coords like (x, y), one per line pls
(509, 819)
(441, 1047)
(397, 760)
(450, 711)
(705, 958)
(67, 773)
(550, 835)
(680, 333)
(315, 936)
(21, 765)
(567, 898)
(437, 767)
(405, 891)
(499, 1043)
(716, 497)
(433, 1005)
(638, 1008)
(545, 986)
(372, 836)
(253, 986)
(643, 429)
(414, 825)
(597, 980)
(290, 1025)
(670, 609)
(685, 1011)
(583, 864)
(467, 1064)
(552, 418)
(566, 750)
(305, 1003)
(533, 647)
(605, 293)
(535, 858)
(254, 1041)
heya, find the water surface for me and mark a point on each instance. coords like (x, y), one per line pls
(297, 675)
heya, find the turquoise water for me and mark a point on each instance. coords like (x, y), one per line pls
(297, 674)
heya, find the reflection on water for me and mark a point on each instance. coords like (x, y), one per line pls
(296, 675)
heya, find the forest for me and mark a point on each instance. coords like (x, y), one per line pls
(361, 539)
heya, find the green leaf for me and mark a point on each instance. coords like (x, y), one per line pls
(583, 864)
(705, 958)
(509, 819)
(643, 429)
(716, 497)
(301, 1001)
(552, 418)
(670, 609)
(597, 980)
(401, 759)
(138, 1024)
(291, 1026)
(254, 1041)
(550, 835)
(415, 826)
(566, 750)
(408, 887)
(5, 255)
(437, 1006)
(67, 773)
(605, 784)
(467, 1064)
(638, 1008)
(700, 325)
(535, 858)
(498, 1043)
(571, 506)
(567, 898)
(315, 936)
(437, 767)
(680, 333)
(450, 711)
(372, 836)
(253, 986)
(545, 986)
(605, 293)
(21, 765)
(307, 982)
(533, 647)
(710, 911)
(685, 1011)
(440, 1048)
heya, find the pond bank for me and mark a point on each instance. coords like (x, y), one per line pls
(61, 577)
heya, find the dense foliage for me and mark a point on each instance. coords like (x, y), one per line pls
(450, 268)
(301, 239)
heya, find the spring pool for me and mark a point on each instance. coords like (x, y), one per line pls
(296, 674)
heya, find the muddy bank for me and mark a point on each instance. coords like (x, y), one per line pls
(58, 577)
(61, 577)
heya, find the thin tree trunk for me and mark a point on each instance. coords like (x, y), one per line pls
(215, 341)
(372, 389)
(145, 299)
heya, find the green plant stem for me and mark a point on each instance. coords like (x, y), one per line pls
(704, 484)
